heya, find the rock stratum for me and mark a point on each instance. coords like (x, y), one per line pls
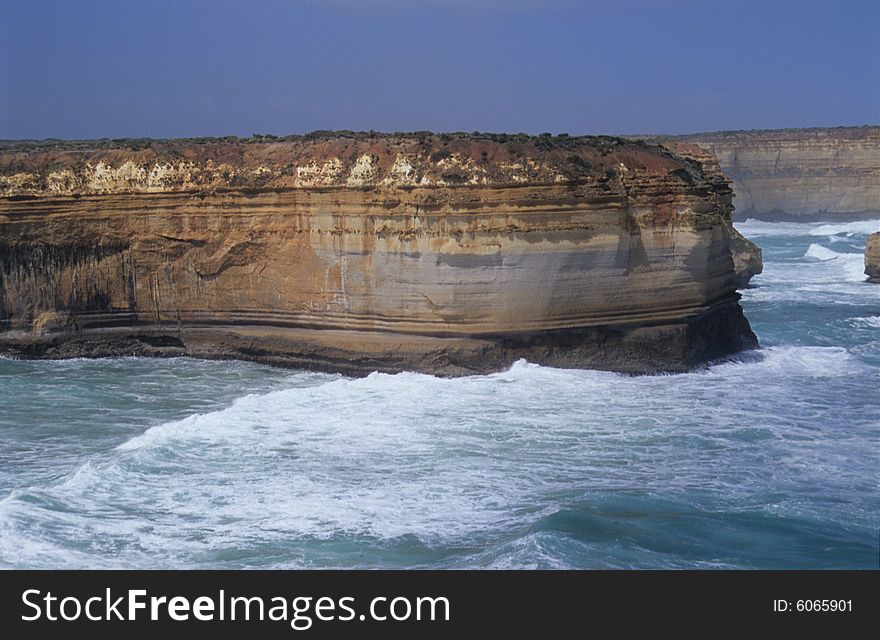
(800, 174)
(449, 254)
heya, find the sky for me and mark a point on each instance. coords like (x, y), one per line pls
(181, 68)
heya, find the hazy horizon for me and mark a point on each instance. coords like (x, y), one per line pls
(100, 69)
(282, 136)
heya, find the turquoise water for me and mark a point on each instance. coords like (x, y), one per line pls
(771, 459)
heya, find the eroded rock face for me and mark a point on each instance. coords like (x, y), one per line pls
(872, 258)
(800, 174)
(747, 257)
(443, 254)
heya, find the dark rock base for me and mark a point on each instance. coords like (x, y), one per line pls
(672, 347)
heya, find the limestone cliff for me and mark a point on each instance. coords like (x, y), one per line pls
(800, 174)
(872, 258)
(441, 253)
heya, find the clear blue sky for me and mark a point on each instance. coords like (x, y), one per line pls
(117, 68)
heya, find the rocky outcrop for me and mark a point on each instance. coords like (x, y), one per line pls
(747, 257)
(800, 174)
(448, 254)
(872, 258)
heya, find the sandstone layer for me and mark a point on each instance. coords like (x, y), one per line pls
(800, 174)
(872, 258)
(448, 254)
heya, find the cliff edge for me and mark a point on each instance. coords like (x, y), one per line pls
(443, 253)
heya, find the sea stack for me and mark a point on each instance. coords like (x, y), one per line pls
(442, 253)
(872, 258)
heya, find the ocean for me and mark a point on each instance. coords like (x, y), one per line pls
(770, 459)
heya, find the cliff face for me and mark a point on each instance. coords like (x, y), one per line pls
(446, 254)
(795, 174)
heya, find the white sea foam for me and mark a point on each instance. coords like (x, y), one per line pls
(794, 362)
(849, 267)
(869, 322)
(820, 253)
(390, 456)
(752, 228)
(860, 227)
